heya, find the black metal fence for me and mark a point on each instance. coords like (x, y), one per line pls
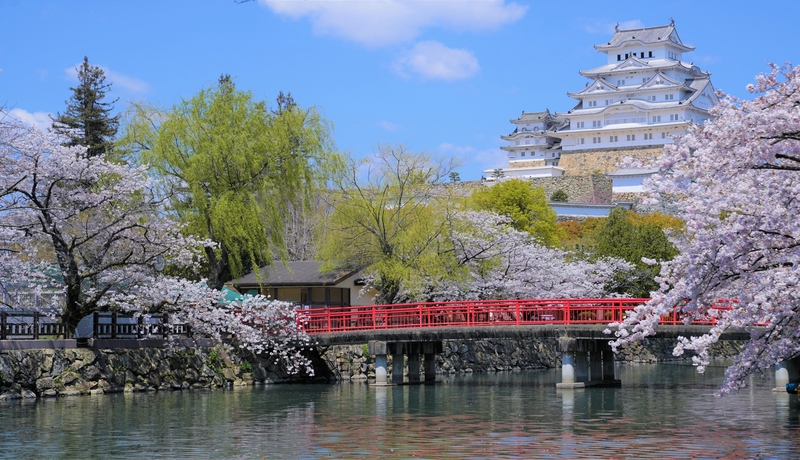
(28, 325)
(15, 325)
(116, 326)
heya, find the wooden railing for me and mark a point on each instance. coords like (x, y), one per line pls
(475, 313)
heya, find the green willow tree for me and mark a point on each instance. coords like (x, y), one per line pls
(388, 215)
(526, 206)
(234, 168)
(88, 121)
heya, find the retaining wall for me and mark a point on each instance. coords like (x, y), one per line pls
(31, 373)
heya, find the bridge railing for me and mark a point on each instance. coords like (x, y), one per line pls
(477, 313)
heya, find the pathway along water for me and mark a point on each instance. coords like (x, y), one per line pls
(661, 411)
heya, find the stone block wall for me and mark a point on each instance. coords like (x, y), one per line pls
(593, 189)
(603, 161)
(63, 372)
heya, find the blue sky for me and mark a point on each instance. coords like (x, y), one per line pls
(442, 76)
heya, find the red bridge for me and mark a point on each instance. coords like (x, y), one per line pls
(417, 329)
(475, 313)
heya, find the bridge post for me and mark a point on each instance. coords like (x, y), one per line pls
(787, 372)
(429, 350)
(377, 349)
(581, 363)
(586, 362)
(413, 352)
(413, 367)
(608, 363)
(398, 359)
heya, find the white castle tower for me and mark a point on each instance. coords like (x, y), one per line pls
(643, 96)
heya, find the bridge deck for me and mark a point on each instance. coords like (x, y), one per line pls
(585, 331)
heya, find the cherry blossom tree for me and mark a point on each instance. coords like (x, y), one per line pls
(93, 231)
(496, 261)
(736, 181)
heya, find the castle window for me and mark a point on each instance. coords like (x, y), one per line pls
(597, 124)
(612, 139)
(522, 154)
(631, 137)
(626, 56)
(668, 97)
(648, 136)
(579, 124)
(619, 57)
(656, 118)
(517, 142)
(582, 139)
(595, 140)
(642, 54)
(644, 79)
(663, 135)
(673, 117)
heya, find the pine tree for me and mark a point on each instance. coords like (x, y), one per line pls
(88, 120)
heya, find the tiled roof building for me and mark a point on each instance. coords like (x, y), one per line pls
(643, 96)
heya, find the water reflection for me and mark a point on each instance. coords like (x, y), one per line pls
(662, 411)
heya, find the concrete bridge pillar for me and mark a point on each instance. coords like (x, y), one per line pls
(586, 362)
(413, 368)
(787, 372)
(378, 349)
(399, 350)
(581, 366)
(398, 361)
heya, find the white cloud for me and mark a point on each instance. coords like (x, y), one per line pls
(388, 126)
(384, 22)
(433, 60)
(603, 27)
(492, 159)
(118, 79)
(455, 149)
(39, 119)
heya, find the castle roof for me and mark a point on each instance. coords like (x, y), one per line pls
(644, 36)
(650, 65)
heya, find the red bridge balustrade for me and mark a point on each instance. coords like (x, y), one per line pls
(476, 313)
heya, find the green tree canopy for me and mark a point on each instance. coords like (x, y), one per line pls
(526, 206)
(388, 215)
(88, 121)
(234, 168)
(630, 237)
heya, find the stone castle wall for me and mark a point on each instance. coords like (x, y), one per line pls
(593, 189)
(603, 161)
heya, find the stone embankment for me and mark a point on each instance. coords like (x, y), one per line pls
(78, 371)
(353, 362)
(35, 373)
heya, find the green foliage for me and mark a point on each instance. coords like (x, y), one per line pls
(234, 169)
(245, 366)
(526, 206)
(214, 360)
(455, 177)
(388, 215)
(630, 237)
(88, 120)
(559, 196)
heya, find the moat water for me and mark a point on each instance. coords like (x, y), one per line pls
(661, 411)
